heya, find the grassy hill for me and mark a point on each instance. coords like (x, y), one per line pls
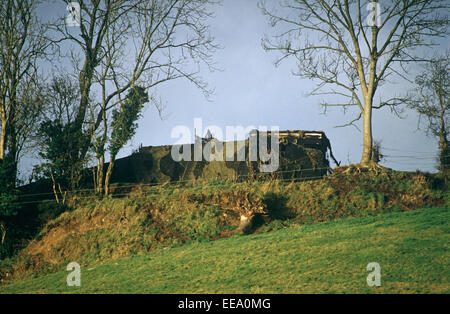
(144, 219)
(411, 247)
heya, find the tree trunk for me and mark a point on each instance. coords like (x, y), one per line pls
(3, 232)
(367, 134)
(100, 164)
(443, 142)
(3, 139)
(85, 81)
(108, 174)
(55, 192)
(12, 152)
(94, 177)
(444, 151)
(101, 160)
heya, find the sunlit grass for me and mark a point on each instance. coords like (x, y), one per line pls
(412, 249)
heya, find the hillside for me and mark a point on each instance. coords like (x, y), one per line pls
(147, 218)
(412, 249)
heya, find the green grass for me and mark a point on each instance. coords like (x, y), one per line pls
(91, 229)
(411, 247)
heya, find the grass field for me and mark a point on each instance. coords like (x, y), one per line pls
(411, 247)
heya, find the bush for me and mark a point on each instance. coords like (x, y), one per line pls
(49, 210)
(8, 205)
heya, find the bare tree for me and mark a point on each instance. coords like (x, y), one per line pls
(23, 43)
(432, 101)
(128, 43)
(351, 55)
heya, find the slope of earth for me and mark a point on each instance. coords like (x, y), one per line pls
(412, 249)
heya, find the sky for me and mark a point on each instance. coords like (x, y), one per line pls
(250, 90)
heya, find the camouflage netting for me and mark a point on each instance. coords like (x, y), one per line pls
(302, 155)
